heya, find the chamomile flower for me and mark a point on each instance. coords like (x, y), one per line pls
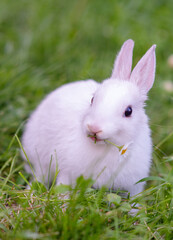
(122, 149)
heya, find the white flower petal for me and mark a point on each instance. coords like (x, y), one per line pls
(123, 152)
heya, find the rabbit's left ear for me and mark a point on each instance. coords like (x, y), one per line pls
(123, 62)
(144, 73)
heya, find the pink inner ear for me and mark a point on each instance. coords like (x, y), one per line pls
(144, 72)
(123, 62)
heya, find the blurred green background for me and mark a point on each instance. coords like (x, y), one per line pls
(46, 43)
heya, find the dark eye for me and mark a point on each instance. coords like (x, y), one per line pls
(128, 112)
(92, 99)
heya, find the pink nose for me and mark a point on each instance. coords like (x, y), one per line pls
(94, 129)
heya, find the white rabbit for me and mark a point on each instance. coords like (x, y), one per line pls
(62, 126)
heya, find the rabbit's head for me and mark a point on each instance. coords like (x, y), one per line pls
(116, 110)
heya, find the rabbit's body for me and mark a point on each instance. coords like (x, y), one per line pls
(60, 127)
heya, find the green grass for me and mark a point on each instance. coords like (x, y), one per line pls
(44, 44)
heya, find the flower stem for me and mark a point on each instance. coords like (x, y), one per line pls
(119, 147)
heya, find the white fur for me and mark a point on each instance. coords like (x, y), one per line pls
(58, 129)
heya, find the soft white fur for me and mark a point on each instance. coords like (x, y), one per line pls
(58, 129)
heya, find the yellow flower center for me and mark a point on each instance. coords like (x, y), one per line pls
(123, 151)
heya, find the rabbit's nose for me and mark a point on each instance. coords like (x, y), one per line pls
(94, 129)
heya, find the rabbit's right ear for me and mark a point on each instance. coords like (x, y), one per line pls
(123, 62)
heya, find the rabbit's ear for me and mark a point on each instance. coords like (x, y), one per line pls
(144, 73)
(123, 62)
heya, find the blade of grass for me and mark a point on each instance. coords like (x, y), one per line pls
(27, 160)
(10, 172)
(25, 179)
(164, 140)
(5, 165)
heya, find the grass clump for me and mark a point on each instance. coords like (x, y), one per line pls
(85, 213)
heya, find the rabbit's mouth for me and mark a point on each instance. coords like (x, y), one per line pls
(95, 139)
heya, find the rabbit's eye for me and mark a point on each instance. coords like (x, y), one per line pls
(92, 99)
(128, 112)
